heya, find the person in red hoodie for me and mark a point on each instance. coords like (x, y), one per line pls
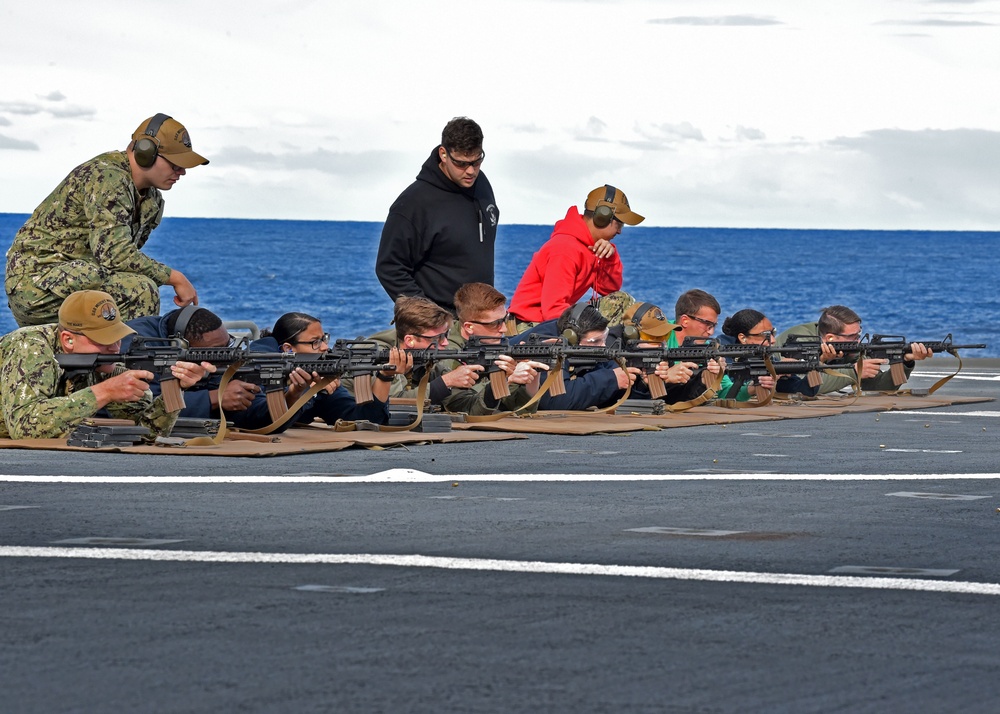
(579, 256)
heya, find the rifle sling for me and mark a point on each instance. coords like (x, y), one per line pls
(711, 392)
(347, 425)
(938, 384)
(553, 374)
(223, 430)
(294, 409)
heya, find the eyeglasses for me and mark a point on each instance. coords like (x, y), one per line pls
(706, 323)
(492, 324)
(763, 333)
(315, 344)
(465, 164)
(595, 341)
(435, 338)
(852, 337)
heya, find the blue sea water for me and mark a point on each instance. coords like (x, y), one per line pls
(921, 284)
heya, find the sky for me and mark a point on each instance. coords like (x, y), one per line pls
(880, 114)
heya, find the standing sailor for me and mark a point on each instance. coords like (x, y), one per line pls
(440, 231)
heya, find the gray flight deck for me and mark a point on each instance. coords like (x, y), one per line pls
(838, 564)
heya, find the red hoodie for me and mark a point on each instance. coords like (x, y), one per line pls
(562, 271)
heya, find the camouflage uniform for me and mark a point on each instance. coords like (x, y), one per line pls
(38, 402)
(87, 235)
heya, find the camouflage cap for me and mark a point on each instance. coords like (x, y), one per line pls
(173, 142)
(95, 315)
(649, 320)
(613, 306)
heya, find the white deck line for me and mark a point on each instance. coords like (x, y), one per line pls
(506, 566)
(413, 476)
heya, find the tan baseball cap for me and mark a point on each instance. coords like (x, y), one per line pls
(608, 195)
(95, 315)
(174, 143)
(649, 320)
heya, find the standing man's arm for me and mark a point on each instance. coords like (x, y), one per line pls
(609, 274)
(399, 251)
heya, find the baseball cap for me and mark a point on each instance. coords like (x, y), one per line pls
(174, 143)
(599, 196)
(648, 319)
(95, 315)
(613, 306)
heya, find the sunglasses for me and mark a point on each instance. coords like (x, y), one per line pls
(492, 324)
(459, 164)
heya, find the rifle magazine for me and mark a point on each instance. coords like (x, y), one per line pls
(276, 405)
(173, 398)
(898, 372)
(363, 389)
(657, 388)
(498, 383)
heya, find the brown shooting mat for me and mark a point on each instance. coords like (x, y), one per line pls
(297, 440)
(319, 438)
(584, 423)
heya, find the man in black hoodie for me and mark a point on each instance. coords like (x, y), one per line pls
(441, 230)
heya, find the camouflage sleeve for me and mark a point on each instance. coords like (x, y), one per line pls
(32, 407)
(114, 216)
(148, 412)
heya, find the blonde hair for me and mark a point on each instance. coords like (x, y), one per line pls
(474, 299)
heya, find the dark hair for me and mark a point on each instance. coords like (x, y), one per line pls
(590, 320)
(692, 301)
(740, 323)
(462, 135)
(834, 318)
(202, 321)
(289, 326)
(413, 315)
(473, 299)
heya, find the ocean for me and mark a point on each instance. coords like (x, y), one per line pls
(919, 284)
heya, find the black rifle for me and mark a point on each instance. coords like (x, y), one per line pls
(271, 370)
(894, 348)
(156, 355)
(484, 351)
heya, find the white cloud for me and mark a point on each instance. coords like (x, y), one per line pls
(717, 112)
(718, 21)
(7, 142)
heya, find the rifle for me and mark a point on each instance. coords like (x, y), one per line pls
(270, 370)
(697, 350)
(889, 347)
(484, 350)
(156, 355)
(895, 347)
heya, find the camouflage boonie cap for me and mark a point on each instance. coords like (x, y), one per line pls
(613, 306)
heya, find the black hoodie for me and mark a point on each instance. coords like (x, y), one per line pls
(437, 237)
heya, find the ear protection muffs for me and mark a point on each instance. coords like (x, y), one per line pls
(572, 332)
(147, 147)
(631, 329)
(605, 210)
(183, 318)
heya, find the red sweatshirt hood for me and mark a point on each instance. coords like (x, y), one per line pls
(574, 225)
